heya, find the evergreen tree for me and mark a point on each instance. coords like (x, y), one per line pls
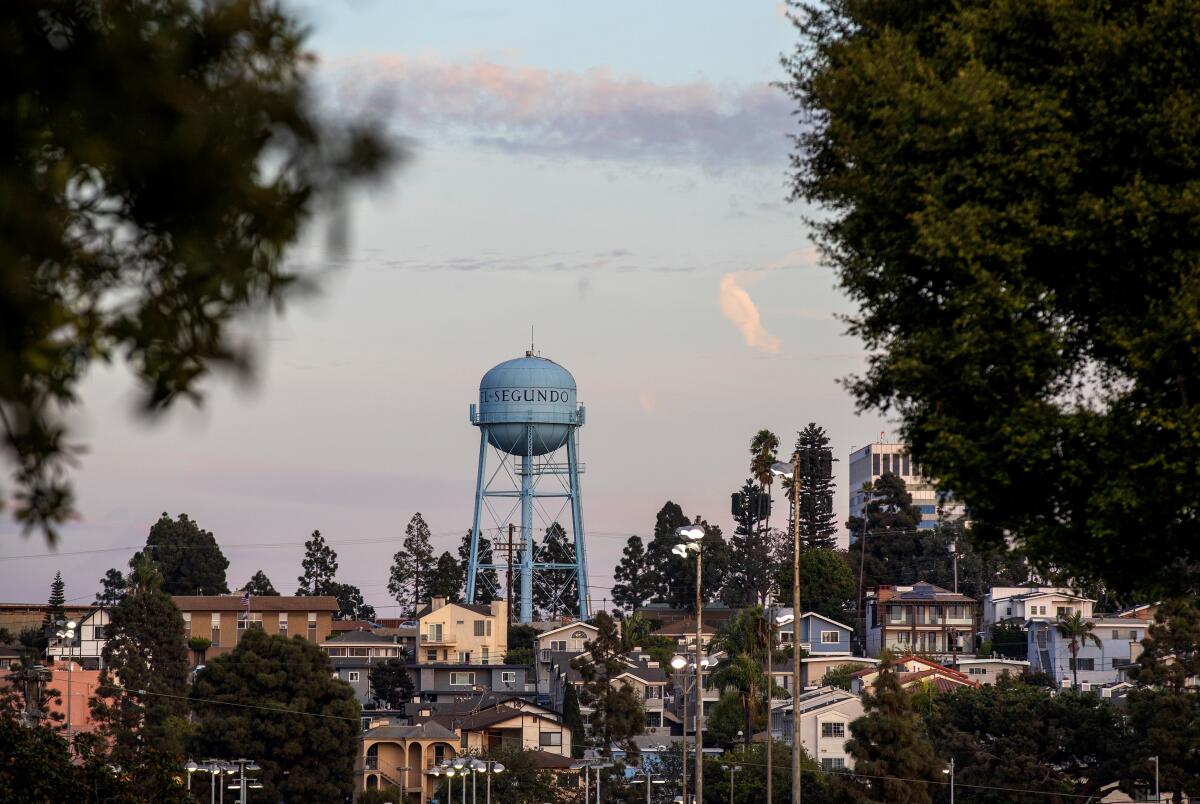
(351, 605)
(296, 720)
(141, 699)
(556, 592)
(674, 578)
(55, 611)
(572, 717)
(752, 564)
(617, 712)
(189, 559)
(891, 753)
(634, 579)
(447, 579)
(112, 589)
(487, 582)
(413, 565)
(391, 685)
(1171, 650)
(260, 585)
(818, 524)
(320, 566)
(828, 584)
(662, 565)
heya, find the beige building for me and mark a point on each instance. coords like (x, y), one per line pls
(223, 619)
(462, 633)
(396, 758)
(825, 718)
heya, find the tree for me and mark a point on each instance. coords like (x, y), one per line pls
(303, 724)
(1051, 401)
(572, 718)
(522, 780)
(391, 685)
(320, 568)
(141, 698)
(447, 579)
(1010, 640)
(351, 605)
(674, 578)
(891, 753)
(189, 559)
(556, 591)
(55, 611)
(112, 589)
(260, 585)
(1078, 632)
(752, 565)
(1171, 650)
(617, 712)
(818, 524)
(413, 565)
(209, 193)
(839, 676)
(633, 585)
(827, 583)
(487, 582)
(745, 640)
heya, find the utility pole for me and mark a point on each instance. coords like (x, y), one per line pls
(509, 545)
(770, 693)
(797, 748)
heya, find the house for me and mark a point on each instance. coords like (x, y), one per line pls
(650, 683)
(88, 647)
(512, 724)
(570, 639)
(986, 671)
(680, 624)
(1120, 645)
(921, 618)
(16, 617)
(223, 619)
(1006, 604)
(354, 653)
(397, 757)
(825, 717)
(462, 633)
(826, 641)
(915, 673)
(463, 684)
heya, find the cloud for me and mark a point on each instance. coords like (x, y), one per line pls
(592, 114)
(647, 401)
(739, 309)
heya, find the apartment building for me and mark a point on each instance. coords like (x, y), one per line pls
(564, 641)
(462, 633)
(223, 619)
(869, 463)
(922, 618)
(354, 653)
(1107, 663)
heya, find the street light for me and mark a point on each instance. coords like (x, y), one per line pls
(950, 772)
(693, 536)
(791, 470)
(68, 636)
(490, 767)
(191, 767)
(732, 770)
(647, 778)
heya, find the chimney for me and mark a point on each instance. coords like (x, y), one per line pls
(500, 610)
(436, 603)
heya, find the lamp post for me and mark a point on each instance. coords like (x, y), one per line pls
(191, 767)
(694, 538)
(679, 663)
(792, 470)
(460, 767)
(490, 767)
(67, 635)
(950, 771)
(732, 770)
(647, 778)
(770, 690)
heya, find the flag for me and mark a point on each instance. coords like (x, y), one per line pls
(246, 600)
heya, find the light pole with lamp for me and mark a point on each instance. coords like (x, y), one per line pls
(679, 663)
(950, 772)
(67, 635)
(460, 767)
(492, 767)
(732, 770)
(694, 538)
(647, 778)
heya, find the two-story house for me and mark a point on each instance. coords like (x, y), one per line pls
(88, 646)
(354, 653)
(922, 618)
(826, 641)
(1120, 645)
(825, 717)
(223, 619)
(1017, 604)
(564, 641)
(462, 633)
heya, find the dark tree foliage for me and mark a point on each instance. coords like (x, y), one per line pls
(1014, 735)
(827, 583)
(522, 637)
(675, 577)
(1010, 640)
(522, 780)
(487, 582)
(112, 589)
(890, 509)
(188, 128)
(190, 560)
(1171, 650)
(141, 699)
(572, 718)
(633, 578)
(303, 726)
(1013, 174)
(412, 567)
(617, 710)
(818, 523)
(351, 605)
(260, 585)
(889, 746)
(556, 592)
(752, 564)
(447, 579)
(391, 685)
(320, 567)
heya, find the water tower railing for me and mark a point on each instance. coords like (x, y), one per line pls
(511, 416)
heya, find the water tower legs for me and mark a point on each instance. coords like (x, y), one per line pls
(527, 529)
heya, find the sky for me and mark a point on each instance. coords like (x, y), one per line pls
(614, 176)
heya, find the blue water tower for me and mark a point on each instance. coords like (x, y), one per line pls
(527, 413)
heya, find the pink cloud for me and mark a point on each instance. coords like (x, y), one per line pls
(592, 114)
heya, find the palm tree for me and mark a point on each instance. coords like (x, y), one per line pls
(1078, 631)
(745, 641)
(762, 454)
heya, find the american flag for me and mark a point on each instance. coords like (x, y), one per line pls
(246, 600)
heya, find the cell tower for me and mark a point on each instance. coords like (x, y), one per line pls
(527, 414)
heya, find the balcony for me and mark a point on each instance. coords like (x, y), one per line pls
(436, 639)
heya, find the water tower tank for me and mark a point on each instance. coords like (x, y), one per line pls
(523, 391)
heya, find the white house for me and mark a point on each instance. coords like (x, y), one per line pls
(825, 718)
(986, 671)
(89, 644)
(1120, 645)
(1020, 603)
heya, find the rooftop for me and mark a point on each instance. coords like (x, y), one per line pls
(920, 592)
(257, 603)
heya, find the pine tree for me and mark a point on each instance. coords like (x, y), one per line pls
(55, 611)
(572, 718)
(260, 585)
(752, 564)
(888, 743)
(112, 589)
(351, 605)
(391, 684)
(412, 567)
(663, 566)
(447, 579)
(556, 592)
(141, 701)
(617, 712)
(818, 524)
(320, 568)
(487, 582)
(634, 581)
(189, 558)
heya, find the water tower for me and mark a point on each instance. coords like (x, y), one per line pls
(527, 414)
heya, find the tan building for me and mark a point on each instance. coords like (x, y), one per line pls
(223, 619)
(397, 757)
(462, 633)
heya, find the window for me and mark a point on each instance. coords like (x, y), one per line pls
(833, 729)
(653, 692)
(431, 655)
(1008, 611)
(462, 679)
(187, 625)
(583, 635)
(977, 671)
(1133, 635)
(1042, 610)
(485, 655)
(559, 645)
(568, 781)
(509, 676)
(887, 464)
(654, 720)
(1063, 611)
(366, 726)
(312, 626)
(359, 651)
(283, 624)
(489, 627)
(1116, 634)
(833, 763)
(874, 466)
(479, 628)
(1083, 664)
(830, 638)
(216, 632)
(464, 657)
(249, 619)
(435, 632)
(353, 676)
(550, 738)
(907, 466)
